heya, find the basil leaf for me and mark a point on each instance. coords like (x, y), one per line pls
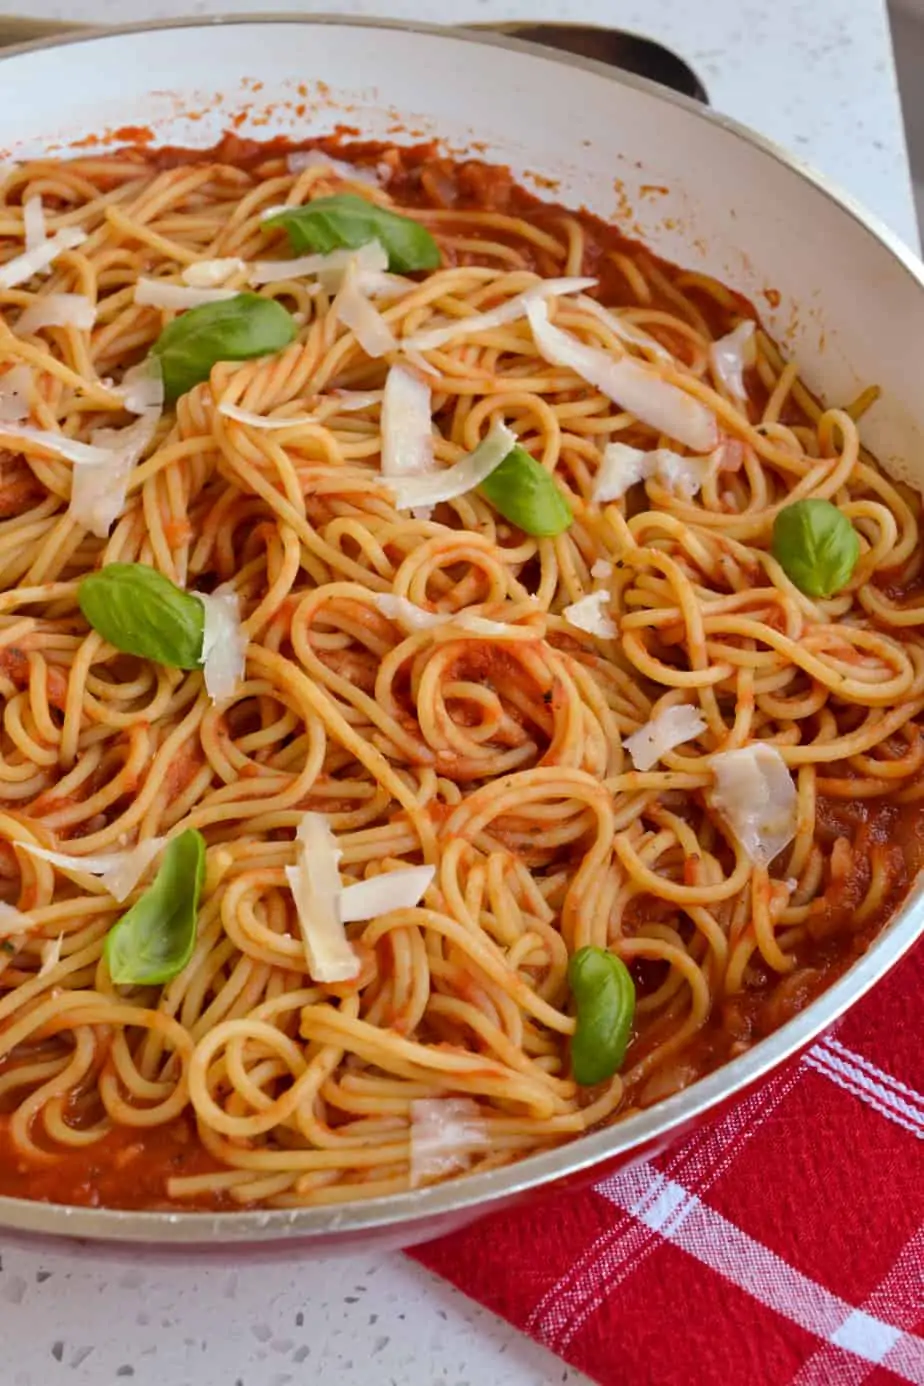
(526, 495)
(233, 329)
(604, 996)
(349, 221)
(155, 939)
(141, 612)
(816, 546)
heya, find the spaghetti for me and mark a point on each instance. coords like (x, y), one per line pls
(493, 753)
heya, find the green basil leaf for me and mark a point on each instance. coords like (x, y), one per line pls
(349, 221)
(604, 996)
(526, 495)
(155, 939)
(233, 329)
(141, 612)
(816, 546)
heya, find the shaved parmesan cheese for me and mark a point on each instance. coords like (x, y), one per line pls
(13, 922)
(142, 387)
(445, 1132)
(684, 475)
(590, 615)
(331, 269)
(224, 644)
(120, 871)
(69, 448)
(99, 484)
(212, 274)
(407, 612)
(407, 438)
(392, 890)
(359, 314)
(315, 885)
(15, 390)
(33, 222)
(625, 331)
(414, 617)
(755, 794)
(602, 571)
(352, 400)
(457, 480)
(58, 310)
(50, 954)
(623, 466)
(730, 355)
(23, 267)
(668, 729)
(508, 312)
(156, 293)
(246, 416)
(633, 387)
(301, 159)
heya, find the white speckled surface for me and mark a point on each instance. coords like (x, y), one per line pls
(819, 79)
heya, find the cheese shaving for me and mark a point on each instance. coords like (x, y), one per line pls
(590, 615)
(120, 872)
(622, 467)
(445, 1133)
(635, 388)
(212, 274)
(246, 416)
(22, 267)
(157, 293)
(99, 483)
(315, 885)
(663, 733)
(301, 159)
(13, 923)
(224, 644)
(407, 437)
(514, 308)
(58, 310)
(731, 355)
(755, 794)
(415, 618)
(50, 954)
(391, 890)
(15, 392)
(463, 476)
(359, 314)
(33, 222)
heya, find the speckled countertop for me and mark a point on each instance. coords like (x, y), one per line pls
(817, 78)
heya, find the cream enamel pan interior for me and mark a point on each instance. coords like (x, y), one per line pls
(849, 300)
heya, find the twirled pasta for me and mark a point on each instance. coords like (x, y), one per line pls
(497, 759)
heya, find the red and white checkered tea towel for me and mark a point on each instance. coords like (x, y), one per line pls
(783, 1242)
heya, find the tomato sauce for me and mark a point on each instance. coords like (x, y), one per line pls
(129, 1168)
